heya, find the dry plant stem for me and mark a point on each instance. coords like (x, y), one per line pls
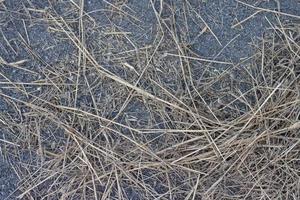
(268, 10)
(104, 72)
(126, 119)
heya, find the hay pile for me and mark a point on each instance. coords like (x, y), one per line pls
(119, 121)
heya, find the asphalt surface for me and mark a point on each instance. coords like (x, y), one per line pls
(223, 42)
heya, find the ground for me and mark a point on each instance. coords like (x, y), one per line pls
(39, 42)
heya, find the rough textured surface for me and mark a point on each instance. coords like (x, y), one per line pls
(8, 180)
(223, 42)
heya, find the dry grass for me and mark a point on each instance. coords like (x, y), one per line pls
(123, 120)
